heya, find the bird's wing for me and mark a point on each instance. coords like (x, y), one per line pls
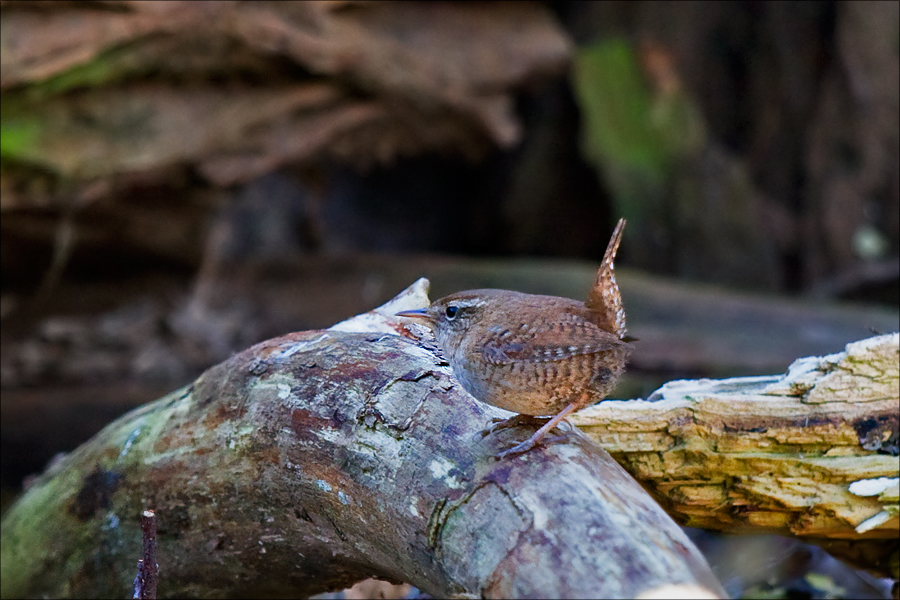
(552, 342)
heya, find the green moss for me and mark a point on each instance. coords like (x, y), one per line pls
(18, 136)
(105, 67)
(636, 135)
(22, 119)
(92, 74)
(615, 103)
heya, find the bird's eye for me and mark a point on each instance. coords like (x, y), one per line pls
(451, 312)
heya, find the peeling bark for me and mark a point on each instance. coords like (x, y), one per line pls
(319, 458)
(316, 459)
(811, 453)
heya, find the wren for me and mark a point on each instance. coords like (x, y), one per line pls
(535, 355)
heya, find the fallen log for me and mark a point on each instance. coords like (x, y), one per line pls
(319, 458)
(316, 459)
(812, 453)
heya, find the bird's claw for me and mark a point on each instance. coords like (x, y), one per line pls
(523, 447)
(499, 423)
(520, 448)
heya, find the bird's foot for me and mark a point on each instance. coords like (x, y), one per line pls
(498, 423)
(520, 448)
(523, 447)
(540, 433)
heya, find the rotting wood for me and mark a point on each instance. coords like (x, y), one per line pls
(811, 453)
(319, 458)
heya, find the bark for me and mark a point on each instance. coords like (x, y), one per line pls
(365, 82)
(319, 458)
(811, 453)
(316, 459)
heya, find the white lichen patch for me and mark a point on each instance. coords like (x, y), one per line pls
(539, 515)
(440, 469)
(279, 383)
(323, 485)
(127, 445)
(323, 433)
(873, 522)
(287, 350)
(872, 487)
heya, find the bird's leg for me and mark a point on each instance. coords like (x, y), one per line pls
(540, 433)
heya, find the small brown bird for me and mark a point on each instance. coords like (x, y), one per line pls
(535, 355)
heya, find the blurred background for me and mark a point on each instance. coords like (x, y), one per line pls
(183, 179)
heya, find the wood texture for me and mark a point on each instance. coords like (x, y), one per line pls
(811, 453)
(319, 458)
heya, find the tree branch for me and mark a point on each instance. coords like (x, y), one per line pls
(319, 458)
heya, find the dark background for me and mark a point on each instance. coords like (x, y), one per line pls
(183, 179)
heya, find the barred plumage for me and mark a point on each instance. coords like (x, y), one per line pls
(532, 354)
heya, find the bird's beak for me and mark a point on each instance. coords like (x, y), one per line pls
(421, 313)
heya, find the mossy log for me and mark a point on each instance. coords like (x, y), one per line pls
(319, 458)
(316, 459)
